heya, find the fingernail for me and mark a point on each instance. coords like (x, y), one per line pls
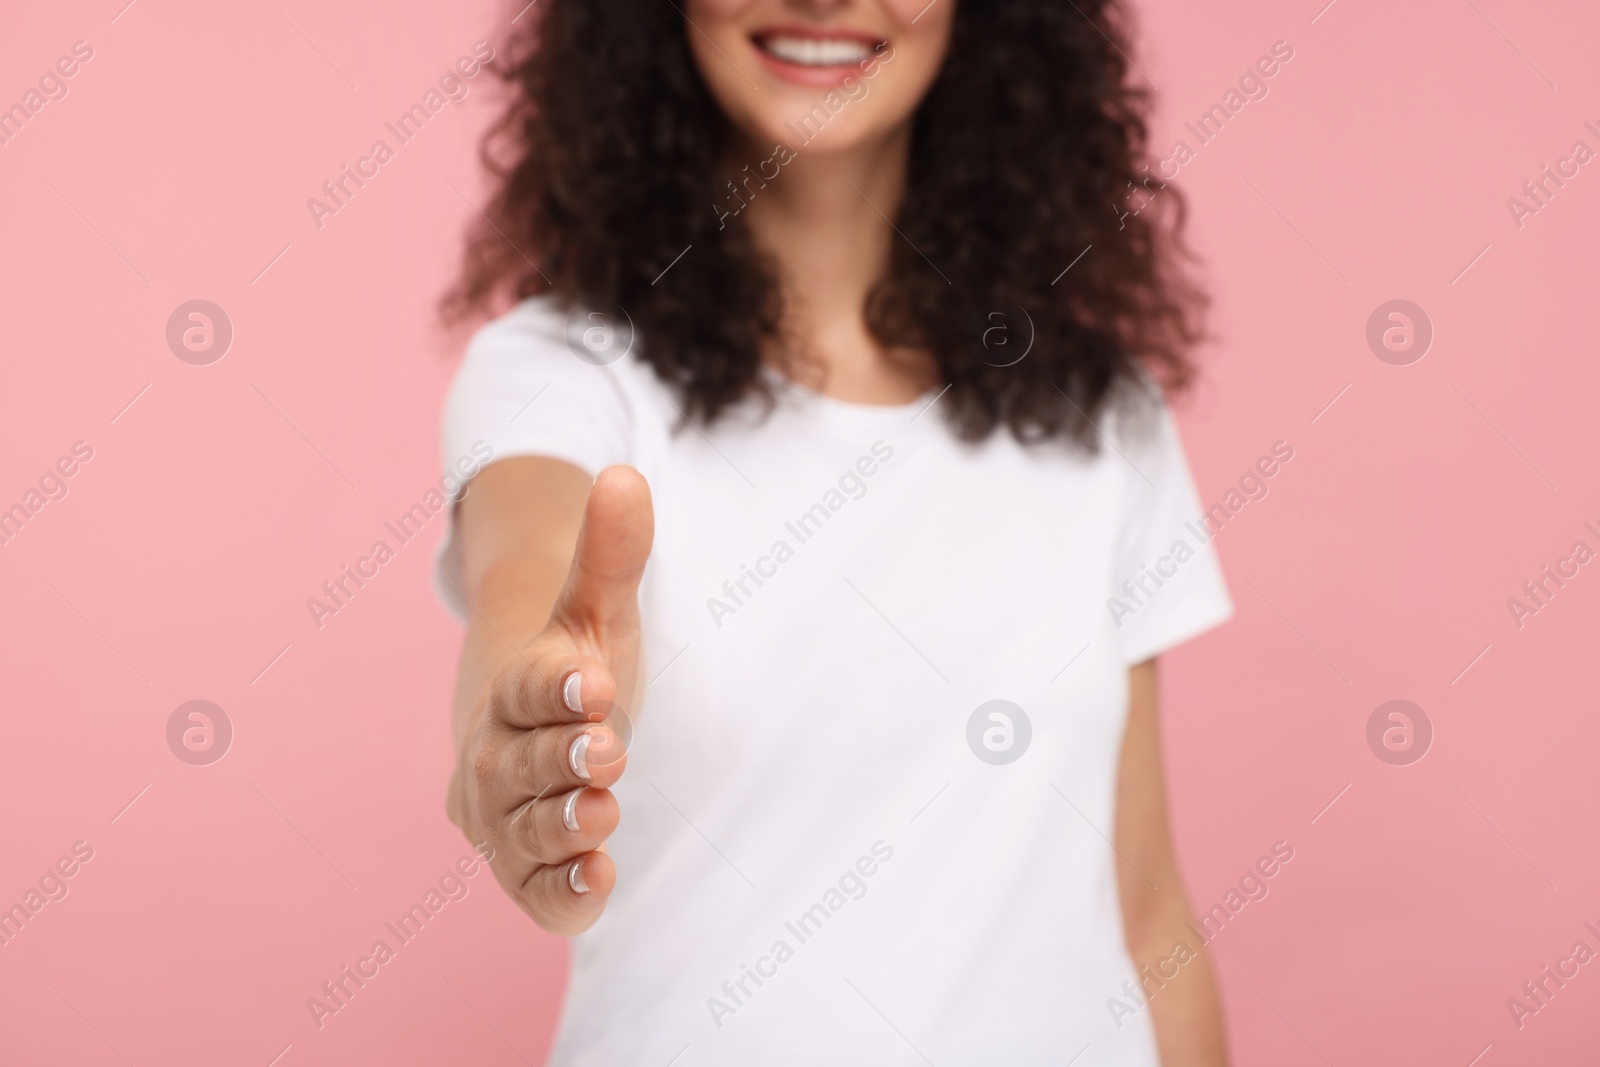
(578, 755)
(569, 810)
(575, 878)
(572, 693)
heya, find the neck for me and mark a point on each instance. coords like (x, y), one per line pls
(824, 222)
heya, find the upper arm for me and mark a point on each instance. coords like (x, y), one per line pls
(1147, 871)
(1167, 589)
(547, 422)
(1167, 586)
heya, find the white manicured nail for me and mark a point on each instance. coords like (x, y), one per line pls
(575, 878)
(572, 693)
(569, 810)
(578, 755)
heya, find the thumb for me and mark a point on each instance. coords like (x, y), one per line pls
(602, 590)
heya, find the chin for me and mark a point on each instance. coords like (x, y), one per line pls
(805, 132)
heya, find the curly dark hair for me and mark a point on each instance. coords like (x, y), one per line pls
(1029, 148)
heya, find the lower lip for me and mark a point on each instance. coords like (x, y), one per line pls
(815, 77)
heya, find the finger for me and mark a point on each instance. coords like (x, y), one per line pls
(551, 685)
(567, 898)
(559, 826)
(602, 590)
(554, 759)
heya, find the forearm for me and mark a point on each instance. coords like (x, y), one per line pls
(1174, 970)
(1179, 986)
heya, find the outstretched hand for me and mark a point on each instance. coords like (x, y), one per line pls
(534, 777)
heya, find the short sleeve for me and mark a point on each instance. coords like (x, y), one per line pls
(521, 391)
(1167, 585)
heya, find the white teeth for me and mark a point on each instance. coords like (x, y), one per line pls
(817, 52)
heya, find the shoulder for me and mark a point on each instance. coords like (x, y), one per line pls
(1143, 446)
(532, 331)
(1136, 416)
(532, 383)
(541, 344)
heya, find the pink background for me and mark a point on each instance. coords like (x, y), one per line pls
(178, 566)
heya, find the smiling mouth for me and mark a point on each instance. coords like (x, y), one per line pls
(816, 52)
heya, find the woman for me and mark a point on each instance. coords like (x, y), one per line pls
(829, 464)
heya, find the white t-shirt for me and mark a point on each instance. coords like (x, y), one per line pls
(822, 856)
